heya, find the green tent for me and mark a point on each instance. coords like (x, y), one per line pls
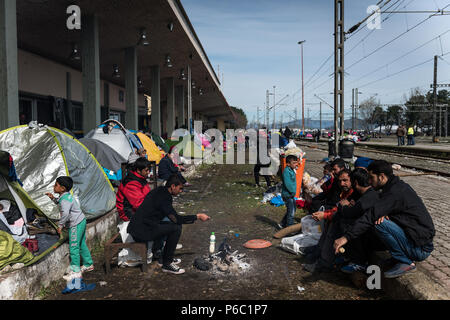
(160, 142)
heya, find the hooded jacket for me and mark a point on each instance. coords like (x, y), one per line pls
(130, 195)
(403, 206)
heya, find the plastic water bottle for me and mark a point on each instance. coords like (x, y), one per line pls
(212, 243)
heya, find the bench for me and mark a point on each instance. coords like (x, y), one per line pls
(112, 248)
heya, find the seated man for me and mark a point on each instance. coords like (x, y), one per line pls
(167, 168)
(400, 220)
(358, 250)
(331, 231)
(363, 163)
(147, 224)
(330, 196)
(130, 195)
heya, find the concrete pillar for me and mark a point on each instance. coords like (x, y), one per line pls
(131, 89)
(9, 81)
(156, 100)
(179, 105)
(91, 73)
(170, 106)
(106, 103)
(190, 121)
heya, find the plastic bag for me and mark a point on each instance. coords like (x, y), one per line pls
(310, 236)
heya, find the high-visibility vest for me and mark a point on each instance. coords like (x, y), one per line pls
(411, 131)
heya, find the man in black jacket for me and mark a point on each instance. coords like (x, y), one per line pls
(166, 168)
(358, 250)
(400, 219)
(147, 225)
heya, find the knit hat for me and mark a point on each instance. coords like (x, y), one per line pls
(363, 162)
(66, 182)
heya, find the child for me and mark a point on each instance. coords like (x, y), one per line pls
(289, 190)
(72, 215)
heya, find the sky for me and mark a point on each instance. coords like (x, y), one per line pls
(253, 46)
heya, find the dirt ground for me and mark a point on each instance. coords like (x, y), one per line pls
(227, 194)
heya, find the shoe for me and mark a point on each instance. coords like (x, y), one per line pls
(280, 226)
(149, 257)
(179, 246)
(352, 268)
(72, 275)
(174, 261)
(173, 268)
(87, 269)
(400, 269)
(310, 267)
(388, 263)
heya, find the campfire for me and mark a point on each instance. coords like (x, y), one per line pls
(223, 261)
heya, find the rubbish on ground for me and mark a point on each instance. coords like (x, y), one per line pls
(202, 264)
(103, 283)
(277, 201)
(301, 289)
(257, 244)
(78, 285)
(396, 166)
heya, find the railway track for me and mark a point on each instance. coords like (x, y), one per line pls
(358, 152)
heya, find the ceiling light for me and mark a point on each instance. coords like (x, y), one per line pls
(75, 55)
(140, 83)
(182, 75)
(200, 91)
(143, 38)
(170, 26)
(116, 73)
(168, 62)
(193, 84)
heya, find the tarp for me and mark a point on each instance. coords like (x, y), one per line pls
(42, 154)
(114, 134)
(12, 251)
(108, 158)
(153, 152)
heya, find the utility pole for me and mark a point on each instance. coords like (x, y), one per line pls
(338, 70)
(434, 97)
(274, 98)
(309, 119)
(303, 90)
(440, 121)
(446, 122)
(353, 109)
(257, 118)
(320, 125)
(267, 109)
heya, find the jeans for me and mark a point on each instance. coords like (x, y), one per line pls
(411, 141)
(401, 141)
(288, 219)
(400, 247)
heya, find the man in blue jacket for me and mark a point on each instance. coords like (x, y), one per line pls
(288, 191)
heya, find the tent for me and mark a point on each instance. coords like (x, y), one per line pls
(11, 250)
(114, 134)
(42, 154)
(108, 158)
(160, 142)
(153, 152)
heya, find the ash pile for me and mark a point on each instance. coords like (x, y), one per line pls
(224, 261)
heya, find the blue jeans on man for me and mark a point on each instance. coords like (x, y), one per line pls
(401, 248)
(288, 219)
(401, 141)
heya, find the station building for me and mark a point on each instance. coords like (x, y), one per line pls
(73, 64)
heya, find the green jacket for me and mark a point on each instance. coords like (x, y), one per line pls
(289, 188)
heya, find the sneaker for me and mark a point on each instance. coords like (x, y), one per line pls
(173, 268)
(352, 268)
(280, 226)
(87, 269)
(72, 275)
(388, 263)
(400, 269)
(174, 261)
(179, 246)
